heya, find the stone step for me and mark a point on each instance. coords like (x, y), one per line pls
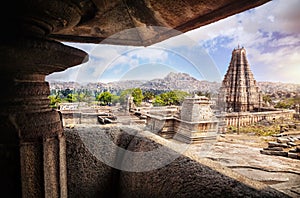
(278, 153)
(273, 148)
(276, 144)
(292, 144)
(293, 151)
(279, 135)
(282, 140)
(294, 155)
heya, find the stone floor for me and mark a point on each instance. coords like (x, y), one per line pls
(242, 154)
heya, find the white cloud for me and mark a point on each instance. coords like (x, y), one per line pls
(270, 34)
(112, 59)
(286, 41)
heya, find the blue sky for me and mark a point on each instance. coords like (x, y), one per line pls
(269, 33)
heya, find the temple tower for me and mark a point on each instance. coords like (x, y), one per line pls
(239, 92)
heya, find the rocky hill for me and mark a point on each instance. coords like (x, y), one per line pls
(180, 81)
(173, 81)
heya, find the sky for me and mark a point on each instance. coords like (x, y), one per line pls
(270, 34)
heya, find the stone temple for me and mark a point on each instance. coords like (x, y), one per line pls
(239, 92)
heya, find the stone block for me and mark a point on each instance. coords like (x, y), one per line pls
(282, 140)
(274, 148)
(293, 155)
(293, 151)
(278, 153)
(276, 144)
(279, 135)
(291, 139)
(292, 144)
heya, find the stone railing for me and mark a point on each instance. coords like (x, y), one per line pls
(247, 118)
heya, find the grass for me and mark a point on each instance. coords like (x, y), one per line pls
(262, 129)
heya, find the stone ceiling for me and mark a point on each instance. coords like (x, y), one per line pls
(105, 19)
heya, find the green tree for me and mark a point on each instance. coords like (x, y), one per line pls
(181, 95)
(104, 97)
(66, 92)
(72, 97)
(148, 95)
(267, 99)
(158, 101)
(170, 98)
(137, 95)
(82, 97)
(288, 103)
(54, 100)
(283, 105)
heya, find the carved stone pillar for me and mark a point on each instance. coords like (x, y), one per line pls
(32, 143)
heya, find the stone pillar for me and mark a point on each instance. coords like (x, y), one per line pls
(32, 154)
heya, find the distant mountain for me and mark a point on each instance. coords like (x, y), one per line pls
(180, 81)
(173, 81)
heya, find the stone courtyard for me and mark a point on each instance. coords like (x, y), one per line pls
(241, 153)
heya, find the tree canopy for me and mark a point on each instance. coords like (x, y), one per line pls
(104, 98)
(137, 95)
(54, 100)
(170, 98)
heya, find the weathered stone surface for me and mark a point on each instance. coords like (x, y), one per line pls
(193, 123)
(185, 177)
(88, 176)
(196, 109)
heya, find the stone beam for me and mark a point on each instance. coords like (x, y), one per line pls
(111, 18)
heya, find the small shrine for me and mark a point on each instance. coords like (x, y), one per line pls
(193, 122)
